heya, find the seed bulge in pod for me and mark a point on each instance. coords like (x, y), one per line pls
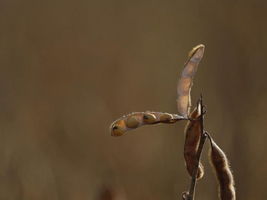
(117, 131)
(166, 117)
(132, 122)
(118, 128)
(149, 118)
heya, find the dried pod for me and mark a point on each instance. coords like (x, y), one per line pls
(186, 81)
(192, 139)
(224, 175)
(137, 119)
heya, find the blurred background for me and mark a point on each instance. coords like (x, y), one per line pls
(70, 68)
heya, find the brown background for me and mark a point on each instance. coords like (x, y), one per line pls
(69, 68)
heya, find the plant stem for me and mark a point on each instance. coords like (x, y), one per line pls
(191, 192)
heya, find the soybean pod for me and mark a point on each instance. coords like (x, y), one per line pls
(223, 172)
(185, 82)
(192, 139)
(138, 119)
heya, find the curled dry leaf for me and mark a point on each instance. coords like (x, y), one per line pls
(137, 119)
(223, 172)
(185, 83)
(192, 139)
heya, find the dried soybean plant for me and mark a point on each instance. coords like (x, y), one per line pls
(195, 134)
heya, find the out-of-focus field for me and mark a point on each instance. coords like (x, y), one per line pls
(69, 68)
